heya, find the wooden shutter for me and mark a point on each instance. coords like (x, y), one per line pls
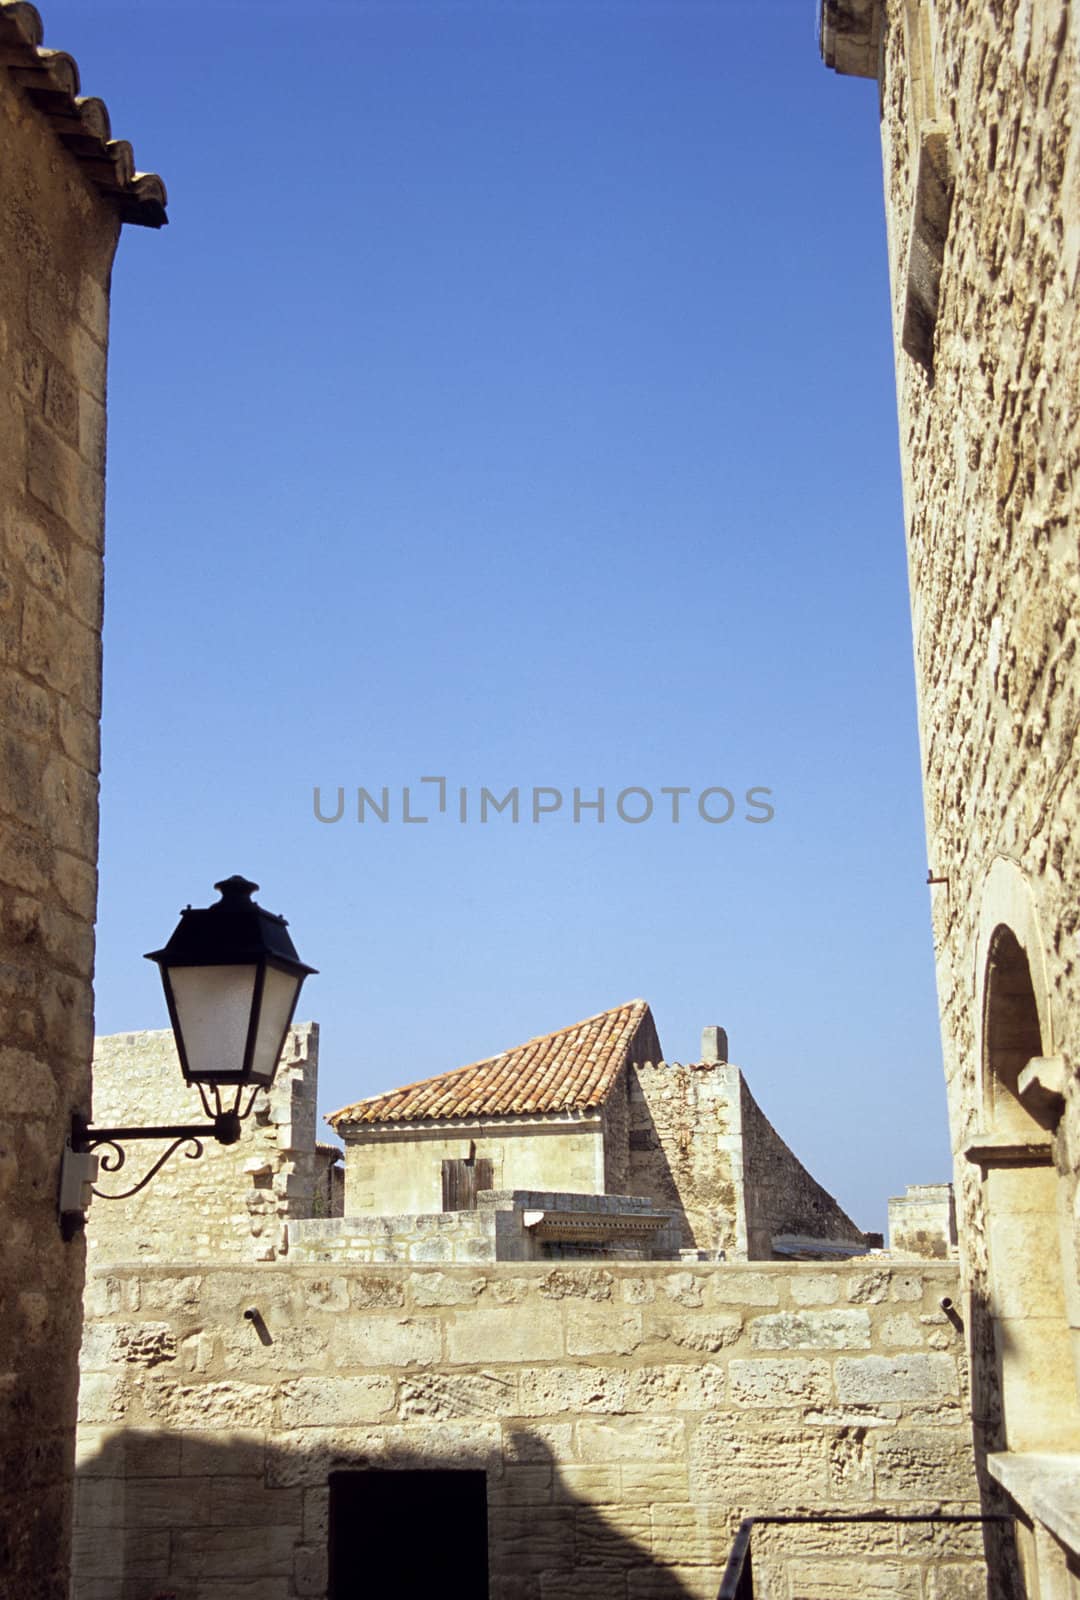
(461, 1180)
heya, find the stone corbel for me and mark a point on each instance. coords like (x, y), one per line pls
(850, 36)
(1041, 1085)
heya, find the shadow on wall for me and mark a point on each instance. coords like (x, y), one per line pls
(347, 1513)
(988, 1437)
(649, 1171)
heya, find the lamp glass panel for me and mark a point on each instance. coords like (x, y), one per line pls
(278, 999)
(213, 1005)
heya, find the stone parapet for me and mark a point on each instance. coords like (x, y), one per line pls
(507, 1225)
(626, 1415)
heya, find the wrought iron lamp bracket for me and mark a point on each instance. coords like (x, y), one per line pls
(81, 1162)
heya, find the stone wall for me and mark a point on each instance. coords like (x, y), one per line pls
(616, 1117)
(57, 238)
(685, 1149)
(234, 1202)
(395, 1170)
(922, 1222)
(507, 1225)
(626, 1416)
(980, 111)
(699, 1143)
(781, 1199)
(991, 457)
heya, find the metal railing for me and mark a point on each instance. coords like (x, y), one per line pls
(738, 1580)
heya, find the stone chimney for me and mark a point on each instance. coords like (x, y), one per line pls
(714, 1046)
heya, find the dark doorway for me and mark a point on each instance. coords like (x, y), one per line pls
(412, 1535)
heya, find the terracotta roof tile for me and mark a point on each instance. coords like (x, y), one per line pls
(50, 81)
(571, 1070)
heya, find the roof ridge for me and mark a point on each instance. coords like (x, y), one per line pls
(536, 1080)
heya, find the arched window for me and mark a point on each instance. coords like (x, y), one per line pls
(1021, 1196)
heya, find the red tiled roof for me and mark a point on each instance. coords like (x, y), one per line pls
(571, 1070)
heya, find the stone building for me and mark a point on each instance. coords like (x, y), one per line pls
(526, 1430)
(67, 188)
(568, 1420)
(594, 1109)
(235, 1202)
(980, 134)
(580, 1142)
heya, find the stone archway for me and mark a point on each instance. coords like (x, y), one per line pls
(1020, 1189)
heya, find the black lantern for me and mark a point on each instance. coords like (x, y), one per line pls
(232, 978)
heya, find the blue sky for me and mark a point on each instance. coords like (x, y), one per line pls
(510, 399)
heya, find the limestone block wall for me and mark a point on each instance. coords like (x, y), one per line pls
(329, 1196)
(922, 1222)
(990, 449)
(626, 1416)
(399, 1170)
(497, 1230)
(780, 1196)
(235, 1201)
(57, 238)
(699, 1143)
(685, 1149)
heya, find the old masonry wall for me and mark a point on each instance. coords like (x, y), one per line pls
(626, 1417)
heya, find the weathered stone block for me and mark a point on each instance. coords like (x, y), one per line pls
(734, 1286)
(593, 1485)
(601, 1330)
(440, 1289)
(590, 1283)
(533, 1538)
(705, 1332)
(235, 1552)
(763, 1468)
(523, 1484)
(676, 1386)
(956, 1580)
(324, 1402)
(689, 1535)
(661, 1482)
(481, 1336)
(203, 1405)
(547, 1390)
(812, 1330)
(618, 1538)
(780, 1383)
(868, 1379)
(901, 1330)
(386, 1341)
(234, 1453)
(370, 1289)
(101, 1502)
(167, 1502)
(536, 1440)
(103, 1398)
(811, 1287)
(310, 1570)
(910, 1460)
(630, 1439)
(99, 1553)
(685, 1288)
(876, 1579)
(446, 1395)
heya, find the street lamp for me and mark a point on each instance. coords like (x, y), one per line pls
(232, 979)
